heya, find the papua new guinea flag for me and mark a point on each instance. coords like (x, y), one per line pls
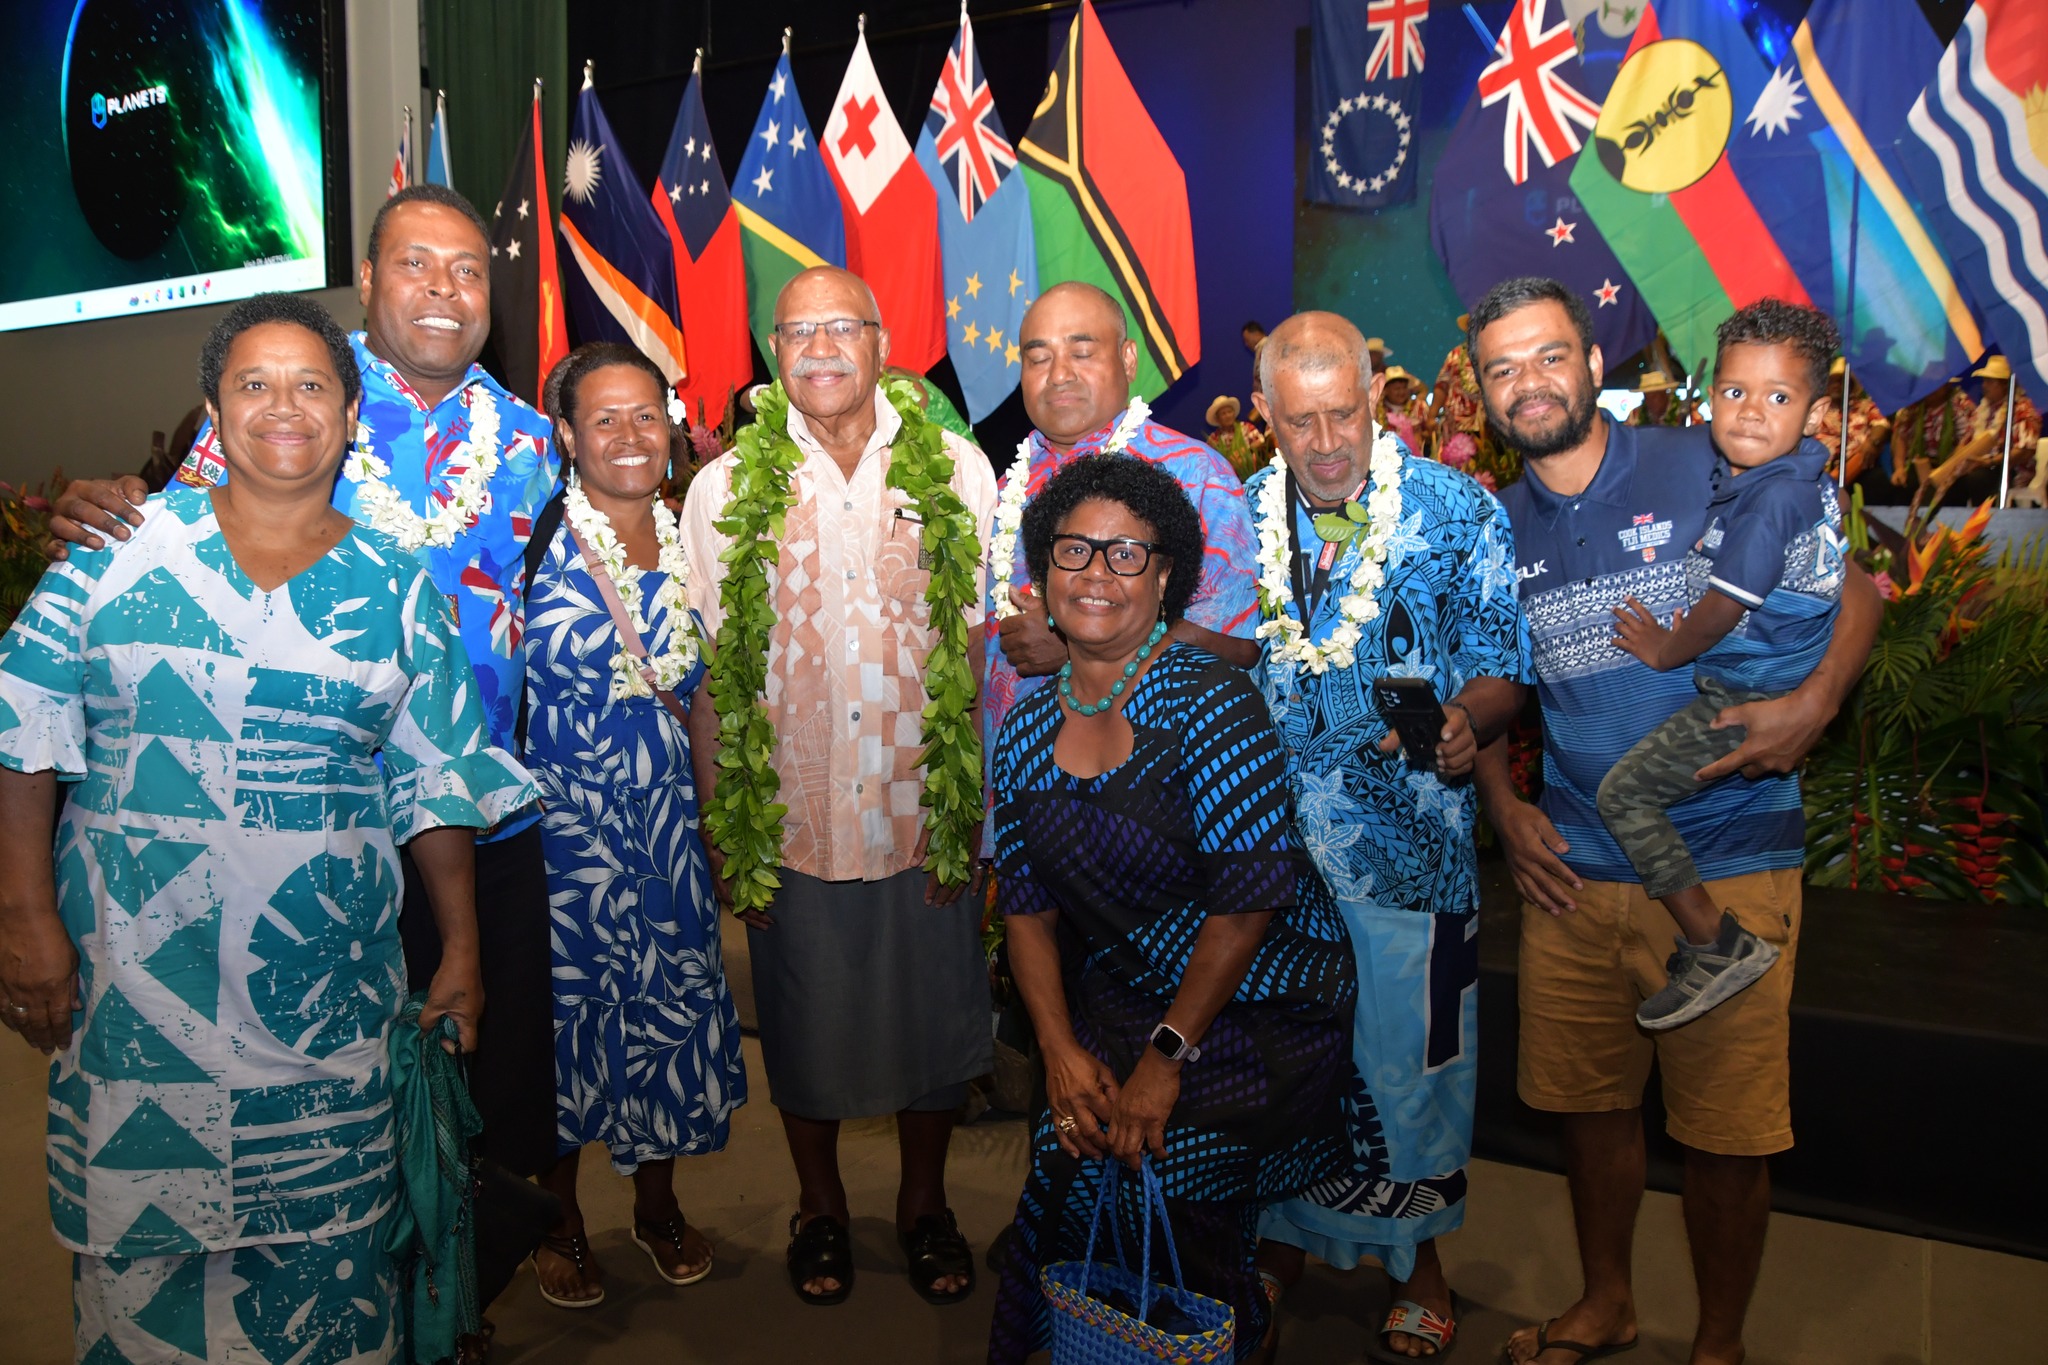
(787, 205)
(1658, 182)
(691, 199)
(622, 282)
(528, 332)
(1816, 151)
(1502, 204)
(1109, 204)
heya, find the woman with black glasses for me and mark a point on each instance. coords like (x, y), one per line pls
(1200, 1011)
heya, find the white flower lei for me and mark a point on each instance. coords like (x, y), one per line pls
(1360, 605)
(384, 508)
(1002, 540)
(674, 663)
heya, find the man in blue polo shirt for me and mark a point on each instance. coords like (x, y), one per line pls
(1605, 512)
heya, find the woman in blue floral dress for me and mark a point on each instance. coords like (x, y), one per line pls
(647, 1047)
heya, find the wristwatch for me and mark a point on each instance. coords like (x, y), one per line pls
(1172, 1046)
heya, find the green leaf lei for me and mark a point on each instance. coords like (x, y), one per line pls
(742, 816)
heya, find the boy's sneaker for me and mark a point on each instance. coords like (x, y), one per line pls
(1703, 977)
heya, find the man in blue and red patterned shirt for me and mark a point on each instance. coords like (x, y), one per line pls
(425, 289)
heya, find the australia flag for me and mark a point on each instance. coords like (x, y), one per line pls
(1502, 204)
(1366, 78)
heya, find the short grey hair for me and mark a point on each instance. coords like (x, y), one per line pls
(1331, 343)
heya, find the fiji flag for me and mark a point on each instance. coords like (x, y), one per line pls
(1366, 77)
(1831, 189)
(1502, 203)
(991, 264)
(623, 286)
(711, 280)
(787, 204)
(437, 144)
(1976, 147)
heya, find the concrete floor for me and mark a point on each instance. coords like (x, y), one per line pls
(1830, 1294)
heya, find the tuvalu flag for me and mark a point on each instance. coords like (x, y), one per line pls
(984, 211)
(788, 208)
(1816, 151)
(691, 199)
(892, 226)
(1657, 179)
(622, 284)
(1502, 202)
(1109, 204)
(528, 333)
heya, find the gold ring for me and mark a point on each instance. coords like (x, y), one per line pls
(1066, 1123)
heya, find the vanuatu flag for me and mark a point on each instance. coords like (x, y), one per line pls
(1657, 178)
(1109, 204)
(787, 204)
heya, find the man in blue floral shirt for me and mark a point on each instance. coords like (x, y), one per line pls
(1424, 588)
(448, 461)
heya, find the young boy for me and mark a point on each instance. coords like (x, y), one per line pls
(1765, 582)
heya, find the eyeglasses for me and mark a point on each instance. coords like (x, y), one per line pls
(838, 329)
(1125, 557)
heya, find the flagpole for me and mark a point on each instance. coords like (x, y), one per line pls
(785, 40)
(2012, 388)
(405, 144)
(1849, 328)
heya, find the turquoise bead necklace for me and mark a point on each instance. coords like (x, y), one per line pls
(1117, 688)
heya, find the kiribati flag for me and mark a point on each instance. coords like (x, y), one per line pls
(1365, 71)
(991, 270)
(788, 207)
(691, 199)
(623, 286)
(1976, 147)
(1109, 203)
(1502, 203)
(1658, 180)
(1816, 151)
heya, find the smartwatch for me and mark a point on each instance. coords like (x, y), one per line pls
(1172, 1046)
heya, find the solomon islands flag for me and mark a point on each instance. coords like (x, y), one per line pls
(788, 207)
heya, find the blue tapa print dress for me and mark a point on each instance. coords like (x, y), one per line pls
(647, 1047)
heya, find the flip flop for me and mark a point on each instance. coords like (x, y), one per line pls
(646, 1231)
(1411, 1319)
(574, 1249)
(1584, 1352)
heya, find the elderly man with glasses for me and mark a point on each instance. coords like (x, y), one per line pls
(810, 563)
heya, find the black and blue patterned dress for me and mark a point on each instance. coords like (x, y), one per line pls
(1196, 822)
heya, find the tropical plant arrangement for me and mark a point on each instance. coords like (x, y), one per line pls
(1928, 781)
(24, 528)
(1247, 445)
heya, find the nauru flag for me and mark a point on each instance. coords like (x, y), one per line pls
(1658, 181)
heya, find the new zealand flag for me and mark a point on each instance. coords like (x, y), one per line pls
(1366, 77)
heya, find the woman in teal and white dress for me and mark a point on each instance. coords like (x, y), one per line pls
(207, 942)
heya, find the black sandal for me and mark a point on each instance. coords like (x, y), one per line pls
(575, 1249)
(935, 1250)
(821, 1249)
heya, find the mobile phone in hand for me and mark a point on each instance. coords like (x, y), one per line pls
(1411, 710)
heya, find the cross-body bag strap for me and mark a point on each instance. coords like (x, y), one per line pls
(630, 637)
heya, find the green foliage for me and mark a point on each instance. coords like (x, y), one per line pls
(742, 816)
(1928, 780)
(24, 528)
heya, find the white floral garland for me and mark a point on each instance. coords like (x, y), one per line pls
(385, 509)
(1009, 517)
(673, 664)
(1360, 605)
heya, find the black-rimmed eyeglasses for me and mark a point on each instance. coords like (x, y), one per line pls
(1125, 557)
(838, 329)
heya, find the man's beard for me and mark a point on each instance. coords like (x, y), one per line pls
(1577, 425)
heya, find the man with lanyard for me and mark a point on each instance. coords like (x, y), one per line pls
(1606, 513)
(447, 461)
(1424, 588)
(1079, 363)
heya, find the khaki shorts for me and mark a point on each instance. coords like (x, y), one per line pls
(1727, 1083)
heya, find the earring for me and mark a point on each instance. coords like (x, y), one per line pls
(1049, 622)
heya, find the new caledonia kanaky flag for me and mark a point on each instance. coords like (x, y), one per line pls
(622, 280)
(1109, 203)
(787, 205)
(1502, 202)
(528, 331)
(984, 211)
(1657, 179)
(691, 199)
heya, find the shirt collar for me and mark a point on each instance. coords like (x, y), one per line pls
(381, 371)
(1612, 482)
(887, 423)
(1088, 444)
(1807, 462)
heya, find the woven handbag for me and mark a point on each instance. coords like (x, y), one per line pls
(1091, 1304)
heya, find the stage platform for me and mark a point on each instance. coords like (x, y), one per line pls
(1919, 1067)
